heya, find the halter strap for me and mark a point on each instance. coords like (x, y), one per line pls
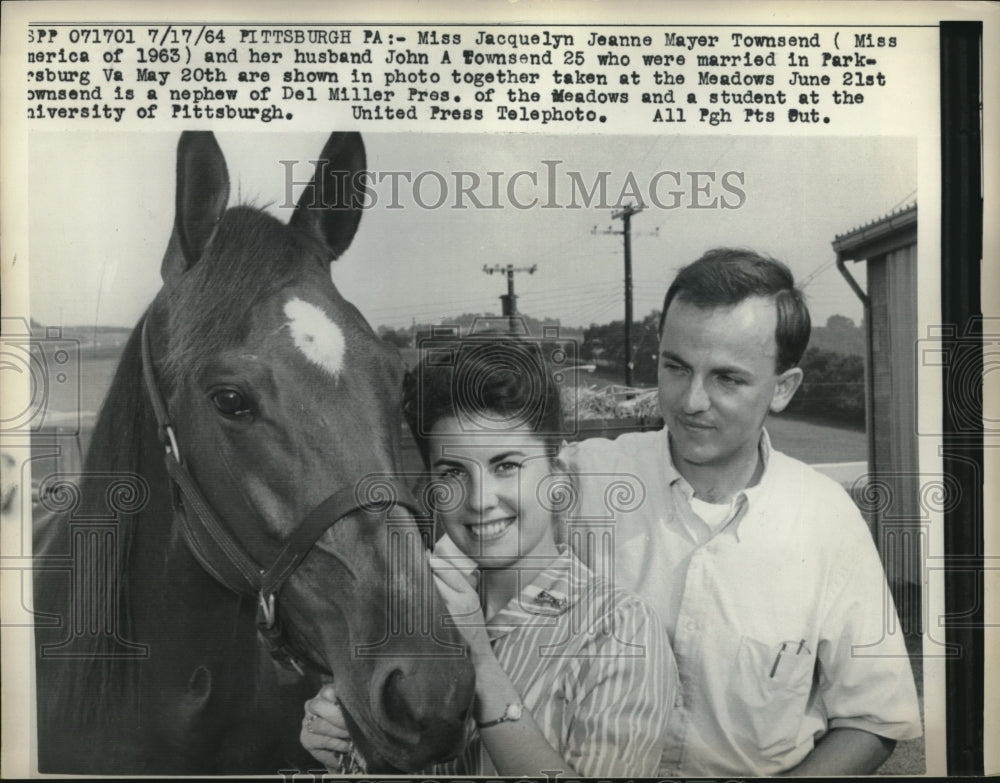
(222, 555)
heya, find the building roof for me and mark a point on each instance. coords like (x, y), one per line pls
(895, 230)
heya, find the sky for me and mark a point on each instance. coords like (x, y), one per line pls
(101, 208)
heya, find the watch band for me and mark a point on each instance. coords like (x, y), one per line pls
(512, 713)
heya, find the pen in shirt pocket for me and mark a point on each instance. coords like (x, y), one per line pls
(799, 647)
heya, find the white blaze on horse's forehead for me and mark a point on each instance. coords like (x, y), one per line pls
(320, 339)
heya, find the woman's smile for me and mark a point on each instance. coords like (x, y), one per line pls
(500, 520)
(491, 529)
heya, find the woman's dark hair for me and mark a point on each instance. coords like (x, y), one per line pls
(725, 276)
(486, 382)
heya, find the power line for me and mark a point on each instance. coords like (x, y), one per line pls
(427, 308)
(508, 301)
(487, 300)
(816, 272)
(550, 299)
(625, 215)
(441, 311)
(602, 312)
(598, 303)
(592, 286)
(903, 200)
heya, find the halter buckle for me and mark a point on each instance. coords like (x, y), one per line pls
(274, 636)
(266, 609)
(172, 447)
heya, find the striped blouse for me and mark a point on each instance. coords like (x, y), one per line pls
(593, 666)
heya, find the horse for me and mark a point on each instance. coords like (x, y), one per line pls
(242, 487)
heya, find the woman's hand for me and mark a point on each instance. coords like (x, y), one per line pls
(515, 747)
(324, 731)
(460, 596)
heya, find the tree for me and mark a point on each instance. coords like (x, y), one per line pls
(833, 387)
(397, 337)
(839, 335)
(839, 322)
(604, 344)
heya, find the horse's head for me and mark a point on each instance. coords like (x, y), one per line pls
(280, 396)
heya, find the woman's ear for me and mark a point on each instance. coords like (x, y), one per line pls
(561, 495)
(560, 468)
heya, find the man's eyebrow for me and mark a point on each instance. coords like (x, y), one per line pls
(673, 357)
(733, 371)
(724, 370)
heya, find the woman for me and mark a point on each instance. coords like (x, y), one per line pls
(571, 675)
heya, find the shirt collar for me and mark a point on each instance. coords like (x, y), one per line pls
(549, 595)
(743, 498)
(669, 470)
(765, 455)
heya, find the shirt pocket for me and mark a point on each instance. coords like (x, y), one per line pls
(768, 692)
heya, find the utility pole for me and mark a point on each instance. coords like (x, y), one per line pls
(625, 215)
(508, 301)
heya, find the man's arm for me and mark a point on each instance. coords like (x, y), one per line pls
(845, 751)
(866, 684)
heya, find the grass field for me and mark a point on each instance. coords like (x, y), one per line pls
(816, 442)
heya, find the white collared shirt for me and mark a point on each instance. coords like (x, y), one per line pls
(779, 618)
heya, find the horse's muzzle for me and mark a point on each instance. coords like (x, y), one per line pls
(420, 711)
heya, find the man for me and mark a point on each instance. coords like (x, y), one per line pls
(762, 569)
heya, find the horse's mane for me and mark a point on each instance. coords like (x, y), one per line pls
(92, 686)
(117, 436)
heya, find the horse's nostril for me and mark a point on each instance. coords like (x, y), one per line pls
(400, 700)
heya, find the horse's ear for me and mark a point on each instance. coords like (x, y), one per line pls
(202, 195)
(330, 206)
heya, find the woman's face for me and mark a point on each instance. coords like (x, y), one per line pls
(493, 512)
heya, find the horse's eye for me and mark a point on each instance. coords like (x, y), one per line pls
(231, 403)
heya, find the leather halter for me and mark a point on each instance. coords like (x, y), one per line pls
(224, 557)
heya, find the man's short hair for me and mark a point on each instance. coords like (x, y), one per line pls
(725, 276)
(503, 378)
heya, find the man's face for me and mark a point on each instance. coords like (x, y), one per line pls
(718, 381)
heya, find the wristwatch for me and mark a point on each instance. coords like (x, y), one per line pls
(512, 713)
